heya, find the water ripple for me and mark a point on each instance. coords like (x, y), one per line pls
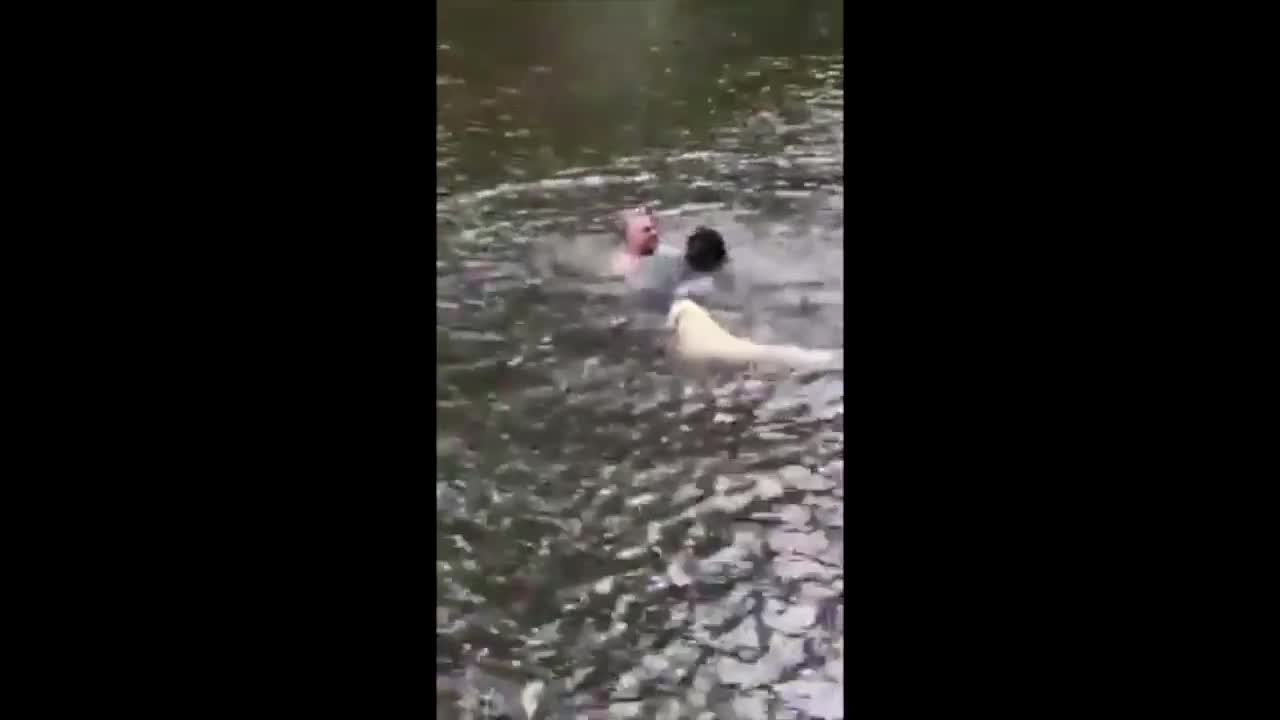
(614, 541)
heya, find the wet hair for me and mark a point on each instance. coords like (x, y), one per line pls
(620, 219)
(705, 250)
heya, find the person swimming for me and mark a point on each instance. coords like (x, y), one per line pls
(640, 240)
(653, 273)
(700, 272)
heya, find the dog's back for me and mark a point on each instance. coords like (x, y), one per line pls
(700, 340)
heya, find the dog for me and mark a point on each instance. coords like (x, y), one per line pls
(697, 340)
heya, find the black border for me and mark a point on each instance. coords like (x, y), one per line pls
(251, 297)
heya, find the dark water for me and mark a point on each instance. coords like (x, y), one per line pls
(612, 543)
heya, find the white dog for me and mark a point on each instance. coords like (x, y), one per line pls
(699, 341)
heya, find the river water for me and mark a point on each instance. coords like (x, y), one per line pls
(611, 542)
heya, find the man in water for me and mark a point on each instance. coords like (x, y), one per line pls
(658, 274)
(640, 240)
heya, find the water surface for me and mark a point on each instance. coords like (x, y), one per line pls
(608, 543)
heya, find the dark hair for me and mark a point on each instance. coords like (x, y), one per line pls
(705, 250)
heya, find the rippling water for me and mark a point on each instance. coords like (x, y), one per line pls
(611, 542)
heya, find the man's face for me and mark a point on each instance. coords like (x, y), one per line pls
(642, 233)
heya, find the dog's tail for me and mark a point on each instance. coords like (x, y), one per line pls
(739, 350)
(698, 337)
(794, 357)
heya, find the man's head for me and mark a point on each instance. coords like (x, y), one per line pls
(640, 231)
(705, 251)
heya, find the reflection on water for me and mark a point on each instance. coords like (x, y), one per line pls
(611, 543)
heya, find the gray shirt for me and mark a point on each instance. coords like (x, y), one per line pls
(664, 276)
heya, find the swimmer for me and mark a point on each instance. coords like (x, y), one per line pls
(640, 240)
(699, 273)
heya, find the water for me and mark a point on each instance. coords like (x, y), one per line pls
(609, 542)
